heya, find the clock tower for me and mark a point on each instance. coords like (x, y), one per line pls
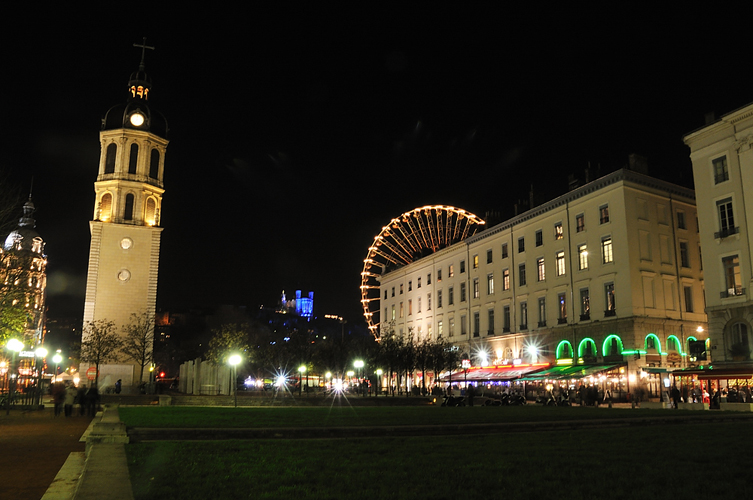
(126, 230)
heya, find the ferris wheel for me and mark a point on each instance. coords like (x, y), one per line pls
(407, 238)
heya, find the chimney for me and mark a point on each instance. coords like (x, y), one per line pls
(709, 117)
(638, 163)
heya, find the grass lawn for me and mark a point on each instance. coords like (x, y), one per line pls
(647, 462)
(346, 416)
(703, 460)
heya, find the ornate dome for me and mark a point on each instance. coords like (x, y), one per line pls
(25, 237)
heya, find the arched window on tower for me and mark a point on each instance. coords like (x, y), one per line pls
(105, 207)
(128, 213)
(150, 214)
(154, 165)
(133, 159)
(112, 150)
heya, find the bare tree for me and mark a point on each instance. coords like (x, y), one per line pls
(99, 344)
(138, 344)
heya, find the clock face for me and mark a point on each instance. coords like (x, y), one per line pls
(126, 243)
(124, 275)
(137, 119)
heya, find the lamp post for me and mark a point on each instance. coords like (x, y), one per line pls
(234, 361)
(379, 382)
(40, 353)
(14, 346)
(350, 377)
(301, 371)
(358, 365)
(57, 358)
(466, 365)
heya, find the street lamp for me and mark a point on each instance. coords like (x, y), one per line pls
(466, 364)
(301, 371)
(379, 382)
(14, 346)
(57, 358)
(234, 361)
(358, 364)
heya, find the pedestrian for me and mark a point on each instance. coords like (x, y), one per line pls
(470, 392)
(58, 396)
(92, 400)
(118, 386)
(675, 394)
(70, 397)
(81, 400)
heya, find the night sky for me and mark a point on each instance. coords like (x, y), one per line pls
(297, 133)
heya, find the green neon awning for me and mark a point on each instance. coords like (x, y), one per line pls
(570, 372)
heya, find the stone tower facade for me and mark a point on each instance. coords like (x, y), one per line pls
(125, 227)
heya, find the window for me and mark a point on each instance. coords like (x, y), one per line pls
(393, 312)
(540, 271)
(463, 330)
(491, 322)
(393, 291)
(585, 304)
(402, 311)
(452, 327)
(128, 212)
(720, 170)
(401, 288)
(154, 164)
(558, 233)
(410, 307)
(490, 284)
(681, 220)
(542, 312)
(740, 334)
(606, 250)
(522, 274)
(506, 279)
(410, 286)
(524, 316)
(475, 262)
(580, 223)
(489, 256)
(451, 271)
(504, 250)
(475, 288)
(428, 279)
(462, 266)
(476, 324)
(440, 330)
(700, 257)
(439, 298)
(451, 295)
(726, 218)
(418, 285)
(609, 299)
(385, 295)
(732, 277)
(112, 151)
(506, 319)
(439, 275)
(521, 245)
(684, 254)
(428, 302)
(105, 207)
(419, 305)
(688, 291)
(133, 158)
(562, 302)
(560, 262)
(462, 292)
(604, 214)
(539, 238)
(582, 257)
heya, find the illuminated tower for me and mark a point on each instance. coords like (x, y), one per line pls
(125, 230)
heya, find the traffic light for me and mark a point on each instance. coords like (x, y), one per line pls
(697, 350)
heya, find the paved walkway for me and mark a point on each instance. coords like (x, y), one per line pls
(35, 445)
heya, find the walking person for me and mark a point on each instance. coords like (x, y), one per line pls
(70, 398)
(58, 396)
(92, 400)
(81, 400)
(675, 394)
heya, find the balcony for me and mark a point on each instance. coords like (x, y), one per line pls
(610, 312)
(490, 333)
(726, 232)
(561, 321)
(585, 317)
(524, 327)
(506, 329)
(732, 292)
(542, 324)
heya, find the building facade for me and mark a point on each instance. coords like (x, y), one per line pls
(722, 156)
(125, 230)
(609, 272)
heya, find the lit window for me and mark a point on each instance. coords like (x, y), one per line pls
(560, 263)
(475, 262)
(604, 214)
(475, 288)
(609, 298)
(541, 272)
(524, 316)
(439, 275)
(506, 279)
(585, 304)
(582, 257)
(580, 223)
(451, 271)
(606, 250)
(490, 284)
(562, 301)
(558, 233)
(732, 277)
